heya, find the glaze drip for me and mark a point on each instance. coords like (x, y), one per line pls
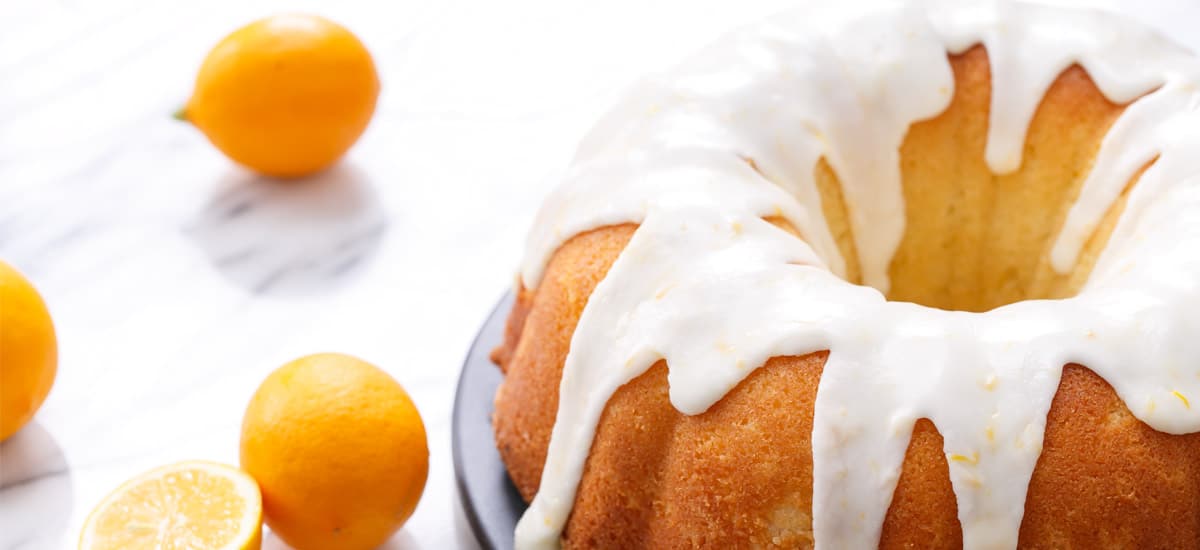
(708, 286)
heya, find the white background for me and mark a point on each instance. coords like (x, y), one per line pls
(178, 281)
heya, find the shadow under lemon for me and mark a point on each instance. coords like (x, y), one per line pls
(36, 493)
(402, 540)
(290, 238)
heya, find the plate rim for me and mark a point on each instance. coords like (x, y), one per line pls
(476, 352)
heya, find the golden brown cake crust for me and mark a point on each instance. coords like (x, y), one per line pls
(740, 474)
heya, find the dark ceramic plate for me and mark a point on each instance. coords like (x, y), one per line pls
(489, 499)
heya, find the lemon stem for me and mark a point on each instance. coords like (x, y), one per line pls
(180, 114)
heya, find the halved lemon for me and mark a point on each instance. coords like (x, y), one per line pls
(184, 506)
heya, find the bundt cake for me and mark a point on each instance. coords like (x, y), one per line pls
(888, 274)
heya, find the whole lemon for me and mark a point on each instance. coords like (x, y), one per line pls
(28, 351)
(339, 452)
(286, 95)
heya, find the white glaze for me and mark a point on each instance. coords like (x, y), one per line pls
(714, 290)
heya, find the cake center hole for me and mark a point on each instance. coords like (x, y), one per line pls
(975, 240)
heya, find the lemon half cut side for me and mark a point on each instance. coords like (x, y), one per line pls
(184, 506)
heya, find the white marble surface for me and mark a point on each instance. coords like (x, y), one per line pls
(178, 281)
